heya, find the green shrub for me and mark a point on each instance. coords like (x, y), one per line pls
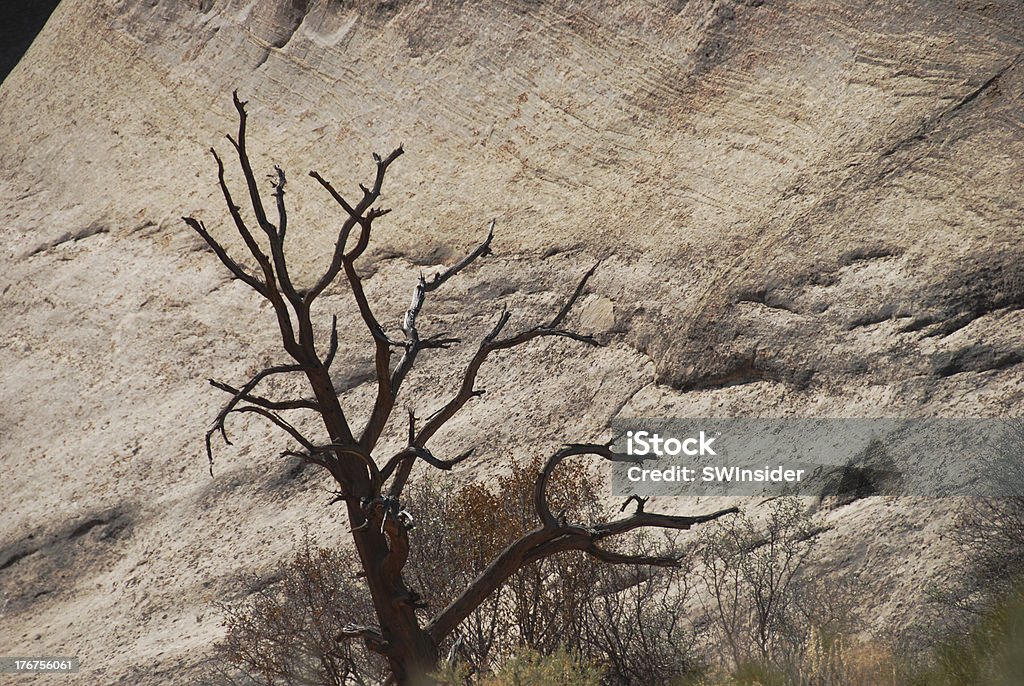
(992, 654)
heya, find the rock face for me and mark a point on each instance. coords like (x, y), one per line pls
(801, 209)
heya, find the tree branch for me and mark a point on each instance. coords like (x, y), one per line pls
(282, 215)
(481, 250)
(382, 355)
(661, 521)
(415, 451)
(310, 457)
(233, 267)
(269, 289)
(218, 422)
(413, 342)
(610, 557)
(560, 317)
(240, 226)
(491, 343)
(300, 404)
(280, 423)
(540, 502)
(355, 215)
(387, 393)
(637, 520)
(555, 536)
(332, 347)
(274, 235)
(362, 215)
(334, 451)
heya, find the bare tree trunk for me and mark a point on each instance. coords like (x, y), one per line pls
(411, 652)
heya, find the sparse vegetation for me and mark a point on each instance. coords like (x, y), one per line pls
(769, 620)
(284, 632)
(625, 623)
(991, 653)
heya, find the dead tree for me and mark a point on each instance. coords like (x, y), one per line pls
(371, 487)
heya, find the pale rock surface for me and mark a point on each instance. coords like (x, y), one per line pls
(801, 209)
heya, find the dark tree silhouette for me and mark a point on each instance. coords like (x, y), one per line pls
(370, 487)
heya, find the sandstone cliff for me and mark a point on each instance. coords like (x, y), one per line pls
(801, 208)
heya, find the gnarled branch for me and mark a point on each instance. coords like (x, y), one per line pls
(280, 422)
(275, 286)
(554, 536)
(332, 347)
(414, 451)
(275, 235)
(299, 404)
(308, 456)
(387, 393)
(362, 215)
(355, 215)
(239, 272)
(239, 396)
(270, 289)
(491, 343)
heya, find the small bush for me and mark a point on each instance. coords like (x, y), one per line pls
(771, 619)
(283, 633)
(753, 573)
(991, 654)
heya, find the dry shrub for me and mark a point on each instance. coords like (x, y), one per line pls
(283, 632)
(628, 619)
(752, 572)
(624, 622)
(771, 618)
(989, 534)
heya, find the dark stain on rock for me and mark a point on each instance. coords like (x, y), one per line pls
(47, 563)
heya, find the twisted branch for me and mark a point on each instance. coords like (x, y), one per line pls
(387, 393)
(239, 395)
(280, 422)
(553, 536)
(300, 404)
(239, 272)
(490, 343)
(355, 216)
(414, 451)
(274, 234)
